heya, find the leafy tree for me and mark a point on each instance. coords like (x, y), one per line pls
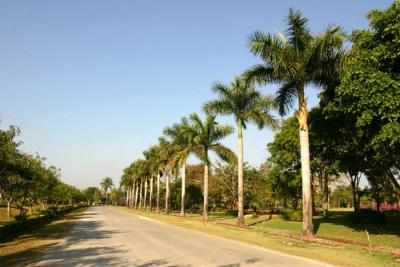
(368, 102)
(285, 156)
(115, 195)
(92, 195)
(247, 105)
(294, 61)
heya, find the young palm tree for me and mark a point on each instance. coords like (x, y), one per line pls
(205, 135)
(247, 105)
(295, 61)
(106, 183)
(184, 146)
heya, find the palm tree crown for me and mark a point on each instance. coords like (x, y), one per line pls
(106, 184)
(296, 59)
(244, 102)
(206, 136)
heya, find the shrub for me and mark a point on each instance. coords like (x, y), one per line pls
(20, 218)
(291, 215)
(367, 216)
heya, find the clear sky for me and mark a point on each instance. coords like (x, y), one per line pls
(92, 84)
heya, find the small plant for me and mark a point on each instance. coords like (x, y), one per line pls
(292, 215)
(369, 242)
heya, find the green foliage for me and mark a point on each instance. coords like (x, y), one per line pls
(291, 215)
(206, 136)
(364, 108)
(367, 216)
(285, 159)
(244, 102)
(92, 195)
(25, 180)
(296, 59)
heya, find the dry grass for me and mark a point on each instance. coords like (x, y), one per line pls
(43, 235)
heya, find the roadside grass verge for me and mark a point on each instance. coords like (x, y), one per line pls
(19, 245)
(330, 252)
(385, 237)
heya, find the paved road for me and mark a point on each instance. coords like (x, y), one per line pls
(109, 237)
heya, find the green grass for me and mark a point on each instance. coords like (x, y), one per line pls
(258, 235)
(383, 236)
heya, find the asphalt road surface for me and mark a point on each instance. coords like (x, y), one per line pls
(109, 237)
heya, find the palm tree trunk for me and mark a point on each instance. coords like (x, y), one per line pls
(183, 189)
(151, 194)
(305, 171)
(133, 188)
(205, 194)
(158, 192)
(325, 197)
(240, 219)
(127, 196)
(141, 195)
(9, 208)
(145, 194)
(167, 193)
(137, 195)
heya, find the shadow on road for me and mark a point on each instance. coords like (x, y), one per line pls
(88, 243)
(63, 255)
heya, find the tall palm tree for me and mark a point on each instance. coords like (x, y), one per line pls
(294, 61)
(206, 136)
(167, 162)
(184, 146)
(247, 105)
(106, 183)
(153, 162)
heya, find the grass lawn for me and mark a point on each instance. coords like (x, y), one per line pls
(383, 236)
(19, 248)
(257, 234)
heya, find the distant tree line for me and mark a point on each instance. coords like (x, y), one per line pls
(26, 181)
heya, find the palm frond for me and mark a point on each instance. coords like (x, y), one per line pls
(285, 97)
(297, 31)
(224, 153)
(267, 46)
(260, 73)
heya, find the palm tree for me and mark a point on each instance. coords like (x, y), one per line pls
(247, 105)
(205, 135)
(166, 158)
(184, 146)
(295, 61)
(106, 183)
(153, 162)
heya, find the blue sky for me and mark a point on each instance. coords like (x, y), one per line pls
(92, 84)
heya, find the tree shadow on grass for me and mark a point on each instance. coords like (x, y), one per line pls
(391, 227)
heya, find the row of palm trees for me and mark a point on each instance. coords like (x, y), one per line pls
(293, 60)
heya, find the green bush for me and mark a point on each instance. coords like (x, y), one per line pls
(367, 216)
(20, 218)
(291, 215)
